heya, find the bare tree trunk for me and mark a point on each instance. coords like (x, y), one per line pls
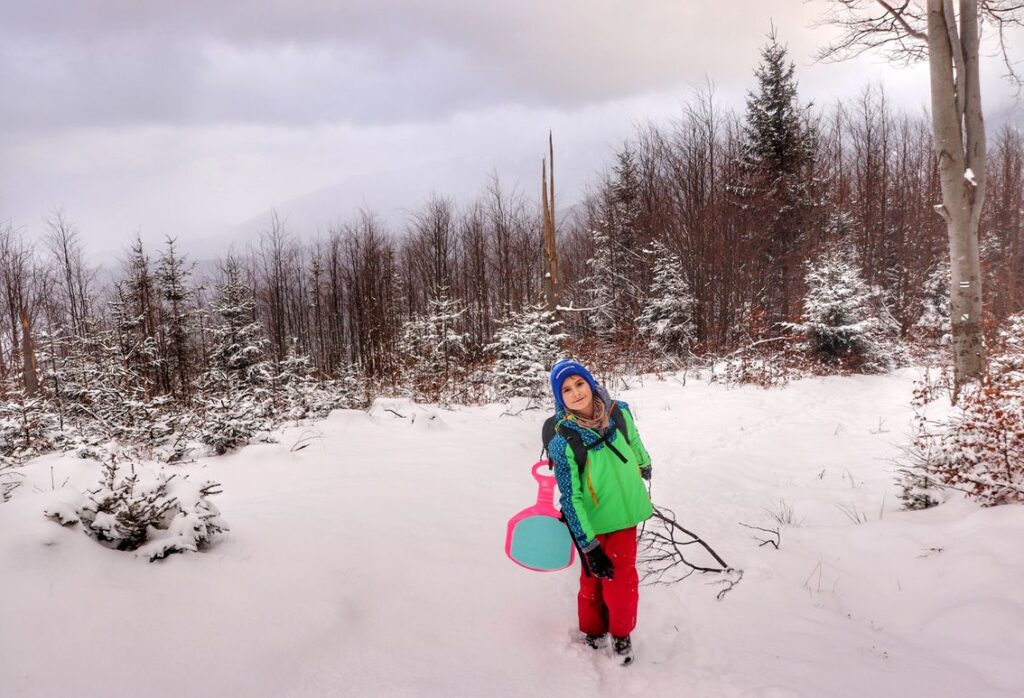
(552, 287)
(959, 130)
(28, 355)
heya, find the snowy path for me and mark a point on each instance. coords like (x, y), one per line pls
(384, 574)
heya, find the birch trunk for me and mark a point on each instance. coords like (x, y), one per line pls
(959, 131)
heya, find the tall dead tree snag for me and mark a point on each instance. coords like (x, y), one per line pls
(951, 41)
(552, 287)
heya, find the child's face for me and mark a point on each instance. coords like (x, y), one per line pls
(576, 394)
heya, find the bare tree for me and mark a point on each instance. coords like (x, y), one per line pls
(28, 355)
(74, 277)
(552, 287)
(950, 39)
(16, 295)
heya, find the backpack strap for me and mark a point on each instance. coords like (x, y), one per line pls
(547, 433)
(619, 421)
(579, 449)
(575, 441)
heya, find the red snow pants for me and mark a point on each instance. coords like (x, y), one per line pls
(610, 604)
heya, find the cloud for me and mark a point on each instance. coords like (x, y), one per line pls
(190, 117)
(389, 61)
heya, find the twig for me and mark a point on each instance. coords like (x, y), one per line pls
(732, 578)
(765, 541)
(661, 552)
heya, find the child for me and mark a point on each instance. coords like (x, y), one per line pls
(603, 500)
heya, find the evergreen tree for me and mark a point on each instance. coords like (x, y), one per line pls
(239, 343)
(525, 345)
(667, 318)
(602, 285)
(841, 318)
(102, 392)
(152, 513)
(778, 141)
(27, 427)
(776, 186)
(434, 345)
(934, 320)
(1008, 354)
(293, 386)
(238, 404)
(177, 317)
(134, 314)
(615, 281)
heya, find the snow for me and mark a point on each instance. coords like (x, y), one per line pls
(372, 563)
(969, 176)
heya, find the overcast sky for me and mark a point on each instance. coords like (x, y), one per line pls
(195, 118)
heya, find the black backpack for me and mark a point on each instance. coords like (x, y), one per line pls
(580, 449)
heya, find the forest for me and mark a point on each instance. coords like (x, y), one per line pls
(790, 238)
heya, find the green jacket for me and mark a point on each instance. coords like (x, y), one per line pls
(610, 495)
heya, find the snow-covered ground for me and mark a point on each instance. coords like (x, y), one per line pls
(371, 564)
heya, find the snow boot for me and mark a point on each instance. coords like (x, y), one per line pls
(623, 649)
(596, 642)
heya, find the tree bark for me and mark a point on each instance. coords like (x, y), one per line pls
(28, 355)
(959, 131)
(552, 290)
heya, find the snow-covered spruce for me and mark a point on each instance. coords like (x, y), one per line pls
(235, 396)
(1009, 356)
(177, 319)
(28, 428)
(154, 514)
(433, 346)
(232, 419)
(292, 386)
(612, 288)
(667, 319)
(933, 323)
(843, 321)
(525, 346)
(239, 342)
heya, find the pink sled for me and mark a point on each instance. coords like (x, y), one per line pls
(537, 538)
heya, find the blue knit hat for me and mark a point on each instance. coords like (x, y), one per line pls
(562, 370)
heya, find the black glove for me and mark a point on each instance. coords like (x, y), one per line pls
(598, 564)
(645, 472)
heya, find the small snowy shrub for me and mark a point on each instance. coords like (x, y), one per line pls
(769, 365)
(233, 420)
(155, 515)
(28, 428)
(979, 448)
